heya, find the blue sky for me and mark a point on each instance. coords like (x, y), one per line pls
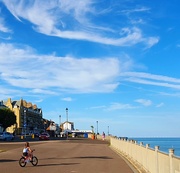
(112, 61)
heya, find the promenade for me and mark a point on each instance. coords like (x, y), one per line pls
(64, 156)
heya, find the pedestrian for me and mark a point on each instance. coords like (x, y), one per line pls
(103, 136)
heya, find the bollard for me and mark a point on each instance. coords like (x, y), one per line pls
(171, 153)
(32, 136)
(157, 159)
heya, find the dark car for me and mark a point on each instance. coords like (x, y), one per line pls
(6, 136)
(36, 134)
(44, 136)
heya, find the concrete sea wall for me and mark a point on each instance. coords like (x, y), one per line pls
(146, 159)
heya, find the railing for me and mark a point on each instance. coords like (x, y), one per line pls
(146, 159)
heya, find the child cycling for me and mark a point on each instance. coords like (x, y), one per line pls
(27, 152)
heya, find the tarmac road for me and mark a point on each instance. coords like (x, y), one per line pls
(64, 156)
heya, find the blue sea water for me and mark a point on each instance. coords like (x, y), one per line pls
(164, 144)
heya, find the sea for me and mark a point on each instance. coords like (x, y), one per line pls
(164, 143)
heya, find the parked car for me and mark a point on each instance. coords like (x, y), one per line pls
(6, 136)
(44, 136)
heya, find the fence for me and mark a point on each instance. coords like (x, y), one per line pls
(145, 158)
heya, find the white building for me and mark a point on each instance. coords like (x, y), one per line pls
(67, 126)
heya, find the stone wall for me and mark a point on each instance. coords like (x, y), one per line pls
(146, 159)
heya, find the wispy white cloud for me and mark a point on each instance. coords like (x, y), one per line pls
(6, 92)
(160, 105)
(3, 27)
(150, 41)
(148, 82)
(5, 38)
(70, 20)
(136, 10)
(151, 79)
(174, 94)
(70, 74)
(119, 106)
(97, 107)
(40, 72)
(137, 21)
(144, 102)
(42, 91)
(67, 99)
(135, 36)
(39, 101)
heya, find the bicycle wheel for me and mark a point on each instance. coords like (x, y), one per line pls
(34, 161)
(22, 162)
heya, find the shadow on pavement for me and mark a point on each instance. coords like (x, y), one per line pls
(93, 157)
(53, 164)
(7, 160)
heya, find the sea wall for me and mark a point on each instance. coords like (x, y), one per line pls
(146, 159)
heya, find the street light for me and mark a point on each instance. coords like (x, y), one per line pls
(97, 127)
(66, 118)
(25, 123)
(60, 122)
(108, 130)
(67, 122)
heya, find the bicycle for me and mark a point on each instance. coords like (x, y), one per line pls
(25, 159)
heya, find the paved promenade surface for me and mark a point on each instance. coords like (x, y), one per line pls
(64, 156)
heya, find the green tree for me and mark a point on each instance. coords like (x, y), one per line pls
(7, 118)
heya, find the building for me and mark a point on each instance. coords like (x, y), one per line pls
(67, 126)
(1, 107)
(52, 129)
(28, 117)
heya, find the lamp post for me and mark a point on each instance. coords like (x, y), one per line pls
(25, 123)
(108, 130)
(60, 122)
(97, 127)
(66, 118)
(67, 121)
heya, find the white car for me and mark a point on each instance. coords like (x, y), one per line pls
(6, 136)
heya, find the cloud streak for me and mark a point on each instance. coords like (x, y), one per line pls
(151, 79)
(69, 20)
(119, 106)
(40, 72)
(144, 102)
(67, 99)
(4, 28)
